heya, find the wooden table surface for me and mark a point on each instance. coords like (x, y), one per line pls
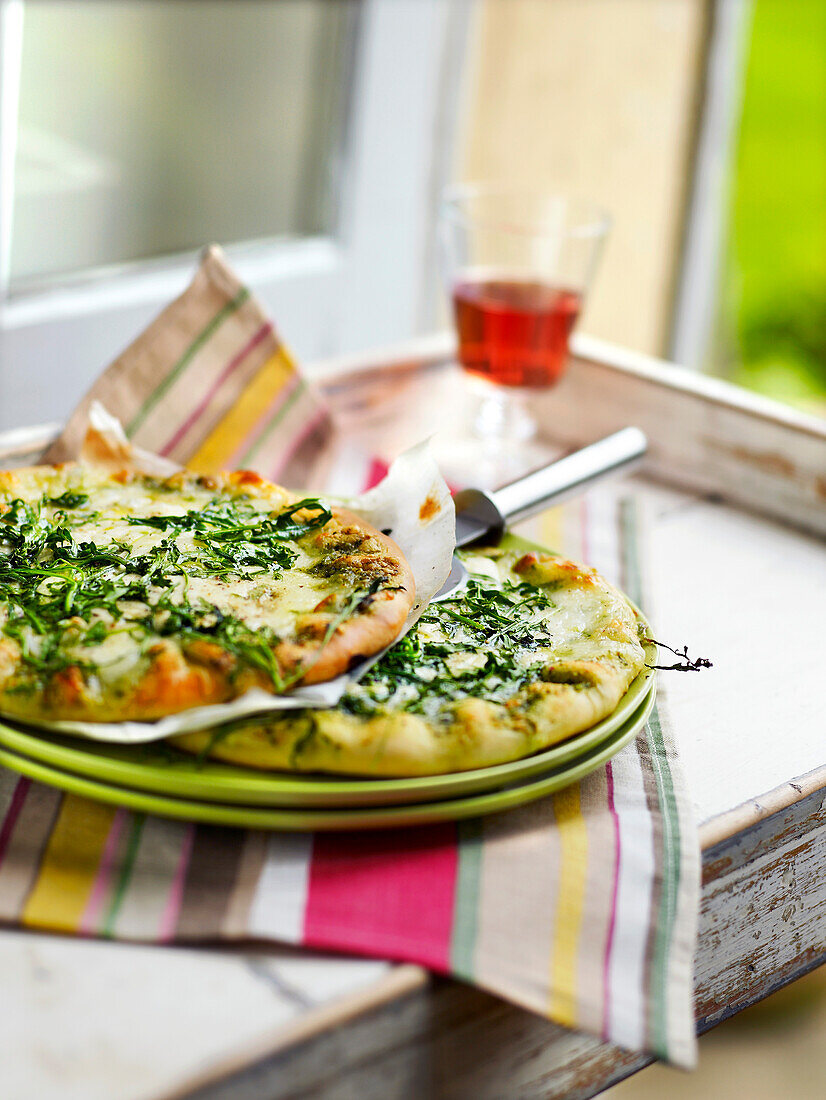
(730, 487)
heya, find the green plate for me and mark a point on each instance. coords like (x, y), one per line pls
(384, 817)
(160, 769)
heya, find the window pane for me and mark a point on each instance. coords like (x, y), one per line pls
(148, 128)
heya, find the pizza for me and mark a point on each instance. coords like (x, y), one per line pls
(129, 596)
(533, 650)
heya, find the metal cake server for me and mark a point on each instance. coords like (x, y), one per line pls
(481, 515)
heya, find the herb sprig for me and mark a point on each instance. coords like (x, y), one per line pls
(685, 664)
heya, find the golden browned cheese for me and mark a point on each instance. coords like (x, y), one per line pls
(538, 649)
(124, 596)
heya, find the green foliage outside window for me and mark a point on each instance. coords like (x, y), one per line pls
(772, 330)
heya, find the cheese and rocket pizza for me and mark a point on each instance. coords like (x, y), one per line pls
(125, 596)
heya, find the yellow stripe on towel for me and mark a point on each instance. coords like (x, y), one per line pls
(570, 904)
(70, 863)
(230, 433)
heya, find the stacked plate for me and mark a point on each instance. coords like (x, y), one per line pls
(157, 779)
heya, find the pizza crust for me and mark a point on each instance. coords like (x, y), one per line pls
(573, 692)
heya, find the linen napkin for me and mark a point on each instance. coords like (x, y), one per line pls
(581, 907)
(210, 386)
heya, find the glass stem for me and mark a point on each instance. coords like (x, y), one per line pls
(502, 417)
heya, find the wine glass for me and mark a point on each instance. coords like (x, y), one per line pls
(518, 264)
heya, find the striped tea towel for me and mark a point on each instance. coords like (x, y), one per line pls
(581, 907)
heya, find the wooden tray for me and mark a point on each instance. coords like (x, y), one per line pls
(735, 489)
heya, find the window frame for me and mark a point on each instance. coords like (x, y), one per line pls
(329, 294)
(704, 236)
